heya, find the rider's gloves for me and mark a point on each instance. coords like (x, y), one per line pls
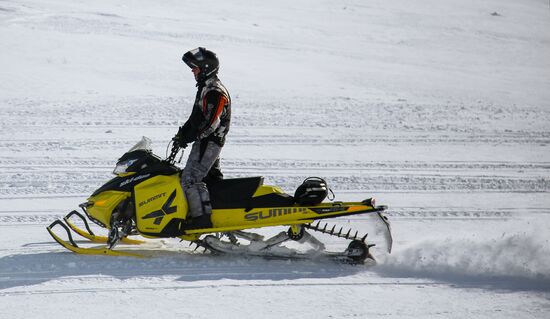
(179, 140)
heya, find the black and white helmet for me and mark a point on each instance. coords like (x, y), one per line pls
(204, 59)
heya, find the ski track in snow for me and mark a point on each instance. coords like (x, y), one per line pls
(474, 123)
(48, 177)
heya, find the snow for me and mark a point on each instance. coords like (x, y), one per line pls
(437, 108)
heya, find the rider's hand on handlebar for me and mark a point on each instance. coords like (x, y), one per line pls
(177, 142)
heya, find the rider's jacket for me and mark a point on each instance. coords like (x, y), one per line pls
(211, 115)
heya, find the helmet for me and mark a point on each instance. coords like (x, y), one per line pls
(205, 60)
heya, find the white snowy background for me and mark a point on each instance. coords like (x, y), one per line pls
(438, 108)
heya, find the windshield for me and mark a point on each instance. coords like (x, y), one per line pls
(130, 158)
(143, 144)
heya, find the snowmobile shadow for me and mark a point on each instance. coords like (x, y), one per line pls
(33, 269)
(487, 281)
(257, 268)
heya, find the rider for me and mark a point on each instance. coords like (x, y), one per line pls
(207, 126)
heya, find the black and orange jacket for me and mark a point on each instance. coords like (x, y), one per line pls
(211, 115)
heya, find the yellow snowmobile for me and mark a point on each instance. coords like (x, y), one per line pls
(145, 198)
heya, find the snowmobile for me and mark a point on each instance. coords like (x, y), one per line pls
(146, 198)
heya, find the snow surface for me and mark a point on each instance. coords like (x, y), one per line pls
(438, 108)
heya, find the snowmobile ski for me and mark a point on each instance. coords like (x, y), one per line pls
(72, 246)
(89, 234)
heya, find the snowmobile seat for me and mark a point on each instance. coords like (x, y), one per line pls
(227, 193)
(271, 200)
(238, 192)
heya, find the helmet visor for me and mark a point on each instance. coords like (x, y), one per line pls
(193, 57)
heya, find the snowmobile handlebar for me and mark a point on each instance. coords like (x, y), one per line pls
(174, 152)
